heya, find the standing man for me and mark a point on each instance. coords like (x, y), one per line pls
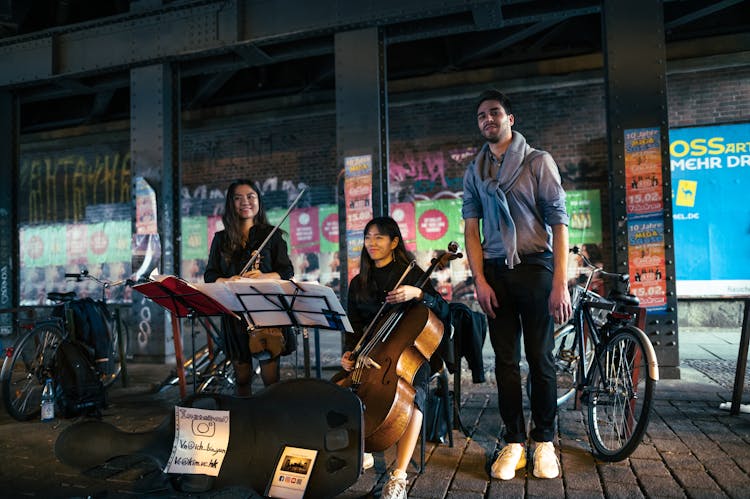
(520, 274)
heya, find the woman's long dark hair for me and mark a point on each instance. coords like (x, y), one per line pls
(233, 241)
(389, 227)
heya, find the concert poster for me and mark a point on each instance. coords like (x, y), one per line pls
(647, 262)
(358, 202)
(643, 166)
(77, 244)
(585, 212)
(304, 229)
(145, 207)
(438, 223)
(403, 214)
(328, 215)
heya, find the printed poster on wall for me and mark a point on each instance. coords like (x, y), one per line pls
(711, 214)
(194, 238)
(438, 223)
(647, 263)
(214, 225)
(358, 201)
(98, 244)
(274, 217)
(77, 244)
(328, 215)
(643, 178)
(403, 214)
(33, 246)
(304, 230)
(119, 234)
(585, 212)
(145, 207)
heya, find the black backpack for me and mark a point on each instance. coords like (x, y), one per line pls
(78, 390)
(91, 324)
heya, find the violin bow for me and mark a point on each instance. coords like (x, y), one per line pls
(256, 253)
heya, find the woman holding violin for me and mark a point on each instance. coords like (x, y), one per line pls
(245, 228)
(383, 265)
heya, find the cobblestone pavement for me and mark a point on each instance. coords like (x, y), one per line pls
(692, 449)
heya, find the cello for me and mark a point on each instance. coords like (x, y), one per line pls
(392, 349)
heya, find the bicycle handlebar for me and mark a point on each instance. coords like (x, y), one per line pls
(621, 277)
(624, 278)
(84, 274)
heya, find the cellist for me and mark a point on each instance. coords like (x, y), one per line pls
(384, 259)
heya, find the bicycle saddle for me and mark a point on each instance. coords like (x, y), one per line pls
(307, 413)
(56, 296)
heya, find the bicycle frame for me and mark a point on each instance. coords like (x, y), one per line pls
(586, 328)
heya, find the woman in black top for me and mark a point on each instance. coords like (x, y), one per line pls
(384, 259)
(245, 228)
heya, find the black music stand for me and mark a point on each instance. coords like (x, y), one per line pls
(182, 299)
(280, 303)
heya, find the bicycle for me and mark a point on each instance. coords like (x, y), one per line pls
(213, 372)
(603, 358)
(31, 359)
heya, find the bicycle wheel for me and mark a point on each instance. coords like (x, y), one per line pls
(218, 378)
(566, 362)
(619, 394)
(25, 372)
(110, 368)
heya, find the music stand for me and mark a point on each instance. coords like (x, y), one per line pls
(280, 303)
(181, 299)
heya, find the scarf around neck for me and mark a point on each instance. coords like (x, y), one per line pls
(498, 188)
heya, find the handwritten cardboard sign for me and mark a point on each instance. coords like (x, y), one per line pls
(200, 444)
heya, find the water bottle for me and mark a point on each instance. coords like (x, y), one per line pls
(48, 401)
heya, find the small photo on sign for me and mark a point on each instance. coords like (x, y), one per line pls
(295, 464)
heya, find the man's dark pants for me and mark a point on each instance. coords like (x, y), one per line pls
(523, 294)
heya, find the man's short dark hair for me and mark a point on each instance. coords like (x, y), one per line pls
(497, 95)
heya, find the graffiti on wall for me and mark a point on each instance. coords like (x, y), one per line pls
(57, 188)
(422, 175)
(209, 201)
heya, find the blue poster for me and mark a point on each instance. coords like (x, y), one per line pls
(710, 188)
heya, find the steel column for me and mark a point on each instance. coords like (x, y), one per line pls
(635, 62)
(9, 261)
(154, 150)
(362, 114)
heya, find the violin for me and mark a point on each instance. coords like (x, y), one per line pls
(391, 351)
(266, 342)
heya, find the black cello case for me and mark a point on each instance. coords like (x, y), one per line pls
(307, 413)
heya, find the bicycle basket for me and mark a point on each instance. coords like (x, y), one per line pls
(599, 315)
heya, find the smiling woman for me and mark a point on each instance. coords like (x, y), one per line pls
(245, 228)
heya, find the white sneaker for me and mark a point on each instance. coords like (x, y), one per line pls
(368, 461)
(546, 464)
(395, 488)
(511, 458)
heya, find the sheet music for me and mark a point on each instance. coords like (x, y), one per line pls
(277, 302)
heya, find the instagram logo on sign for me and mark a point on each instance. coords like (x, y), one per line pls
(204, 428)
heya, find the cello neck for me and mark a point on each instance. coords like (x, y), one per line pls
(439, 262)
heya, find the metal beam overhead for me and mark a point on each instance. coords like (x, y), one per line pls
(159, 35)
(700, 13)
(508, 41)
